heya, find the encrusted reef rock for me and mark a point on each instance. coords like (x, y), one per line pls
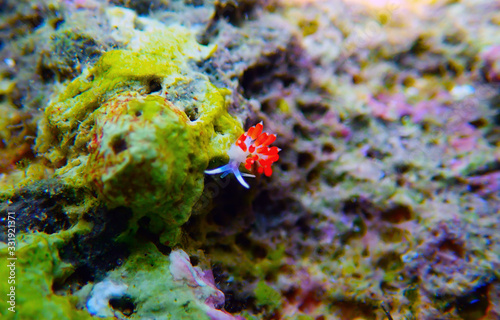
(140, 128)
(384, 202)
(37, 268)
(120, 154)
(158, 285)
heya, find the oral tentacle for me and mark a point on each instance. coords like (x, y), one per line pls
(223, 169)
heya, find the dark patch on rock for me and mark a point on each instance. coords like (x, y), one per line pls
(68, 52)
(238, 294)
(144, 233)
(474, 304)
(125, 305)
(21, 19)
(234, 11)
(397, 214)
(141, 7)
(40, 208)
(97, 252)
(279, 69)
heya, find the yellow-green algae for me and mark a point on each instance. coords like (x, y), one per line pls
(37, 268)
(140, 128)
(267, 295)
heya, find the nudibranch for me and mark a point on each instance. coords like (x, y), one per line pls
(252, 149)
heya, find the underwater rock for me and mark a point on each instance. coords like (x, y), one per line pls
(202, 283)
(140, 127)
(158, 286)
(36, 270)
(386, 190)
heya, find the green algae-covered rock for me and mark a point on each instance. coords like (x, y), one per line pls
(266, 295)
(141, 152)
(142, 156)
(140, 127)
(162, 287)
(36, 268)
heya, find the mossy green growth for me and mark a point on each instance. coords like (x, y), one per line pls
(299, 317)
(36, 269)
(271, 264)
(140, 128)
(267, 296)
(155, 292)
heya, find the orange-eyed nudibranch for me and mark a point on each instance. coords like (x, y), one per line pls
(251, 148)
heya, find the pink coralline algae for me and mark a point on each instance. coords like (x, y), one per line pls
(487, 184)
(202, 283)
(491, 68)
(304, 294)
(389, 107)
(392, 107)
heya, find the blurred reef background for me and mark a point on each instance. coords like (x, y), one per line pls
(384, 203)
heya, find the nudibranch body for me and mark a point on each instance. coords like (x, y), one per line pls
(252, 149)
